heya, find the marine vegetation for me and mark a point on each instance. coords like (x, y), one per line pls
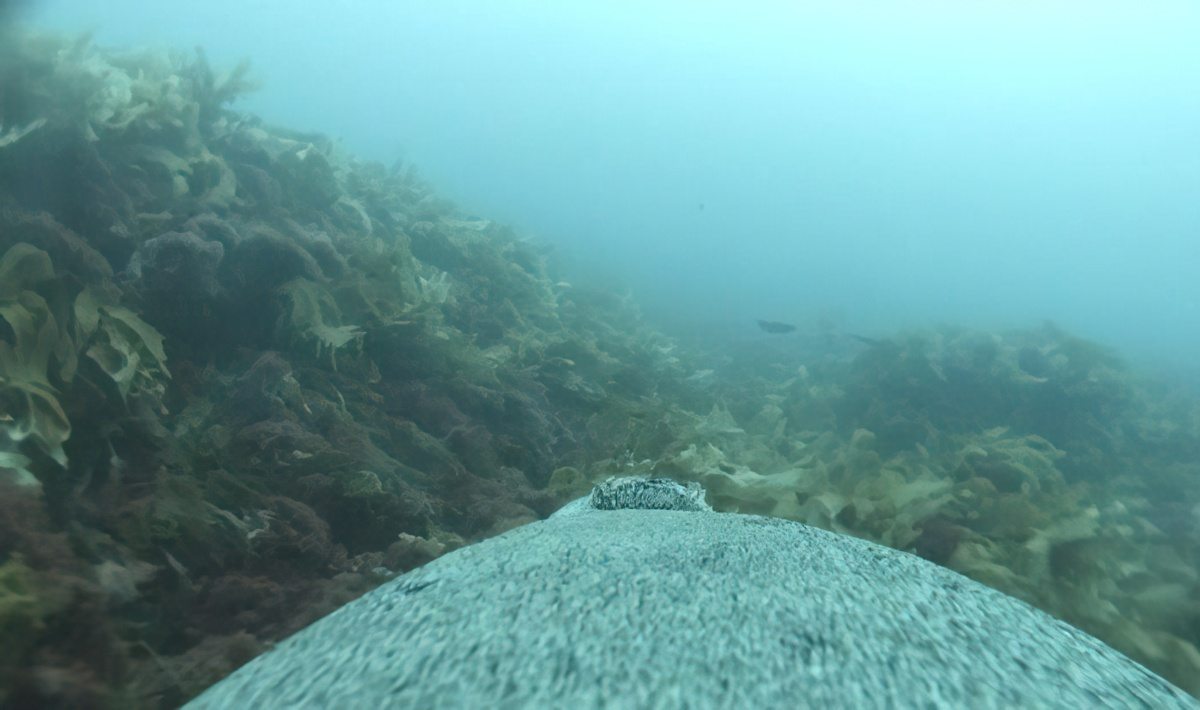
(245, 377)
(1033, 461)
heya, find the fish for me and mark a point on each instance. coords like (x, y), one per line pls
(873, 342)
(776, 327)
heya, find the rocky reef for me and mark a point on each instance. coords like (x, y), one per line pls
(1034, 461)
(245, 378)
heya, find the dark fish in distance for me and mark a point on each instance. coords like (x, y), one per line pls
(776, 327)
(873, 342)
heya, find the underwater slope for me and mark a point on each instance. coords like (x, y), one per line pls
(245, 379)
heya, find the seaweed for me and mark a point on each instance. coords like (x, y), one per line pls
(1021, 459)
(38, 352)
(315, 315)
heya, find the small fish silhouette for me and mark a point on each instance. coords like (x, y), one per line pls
(776, 327)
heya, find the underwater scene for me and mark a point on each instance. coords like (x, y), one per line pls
(299, 297)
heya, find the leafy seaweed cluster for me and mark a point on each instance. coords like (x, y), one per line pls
(53, 323)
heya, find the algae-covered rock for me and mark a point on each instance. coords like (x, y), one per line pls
(239, 366)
